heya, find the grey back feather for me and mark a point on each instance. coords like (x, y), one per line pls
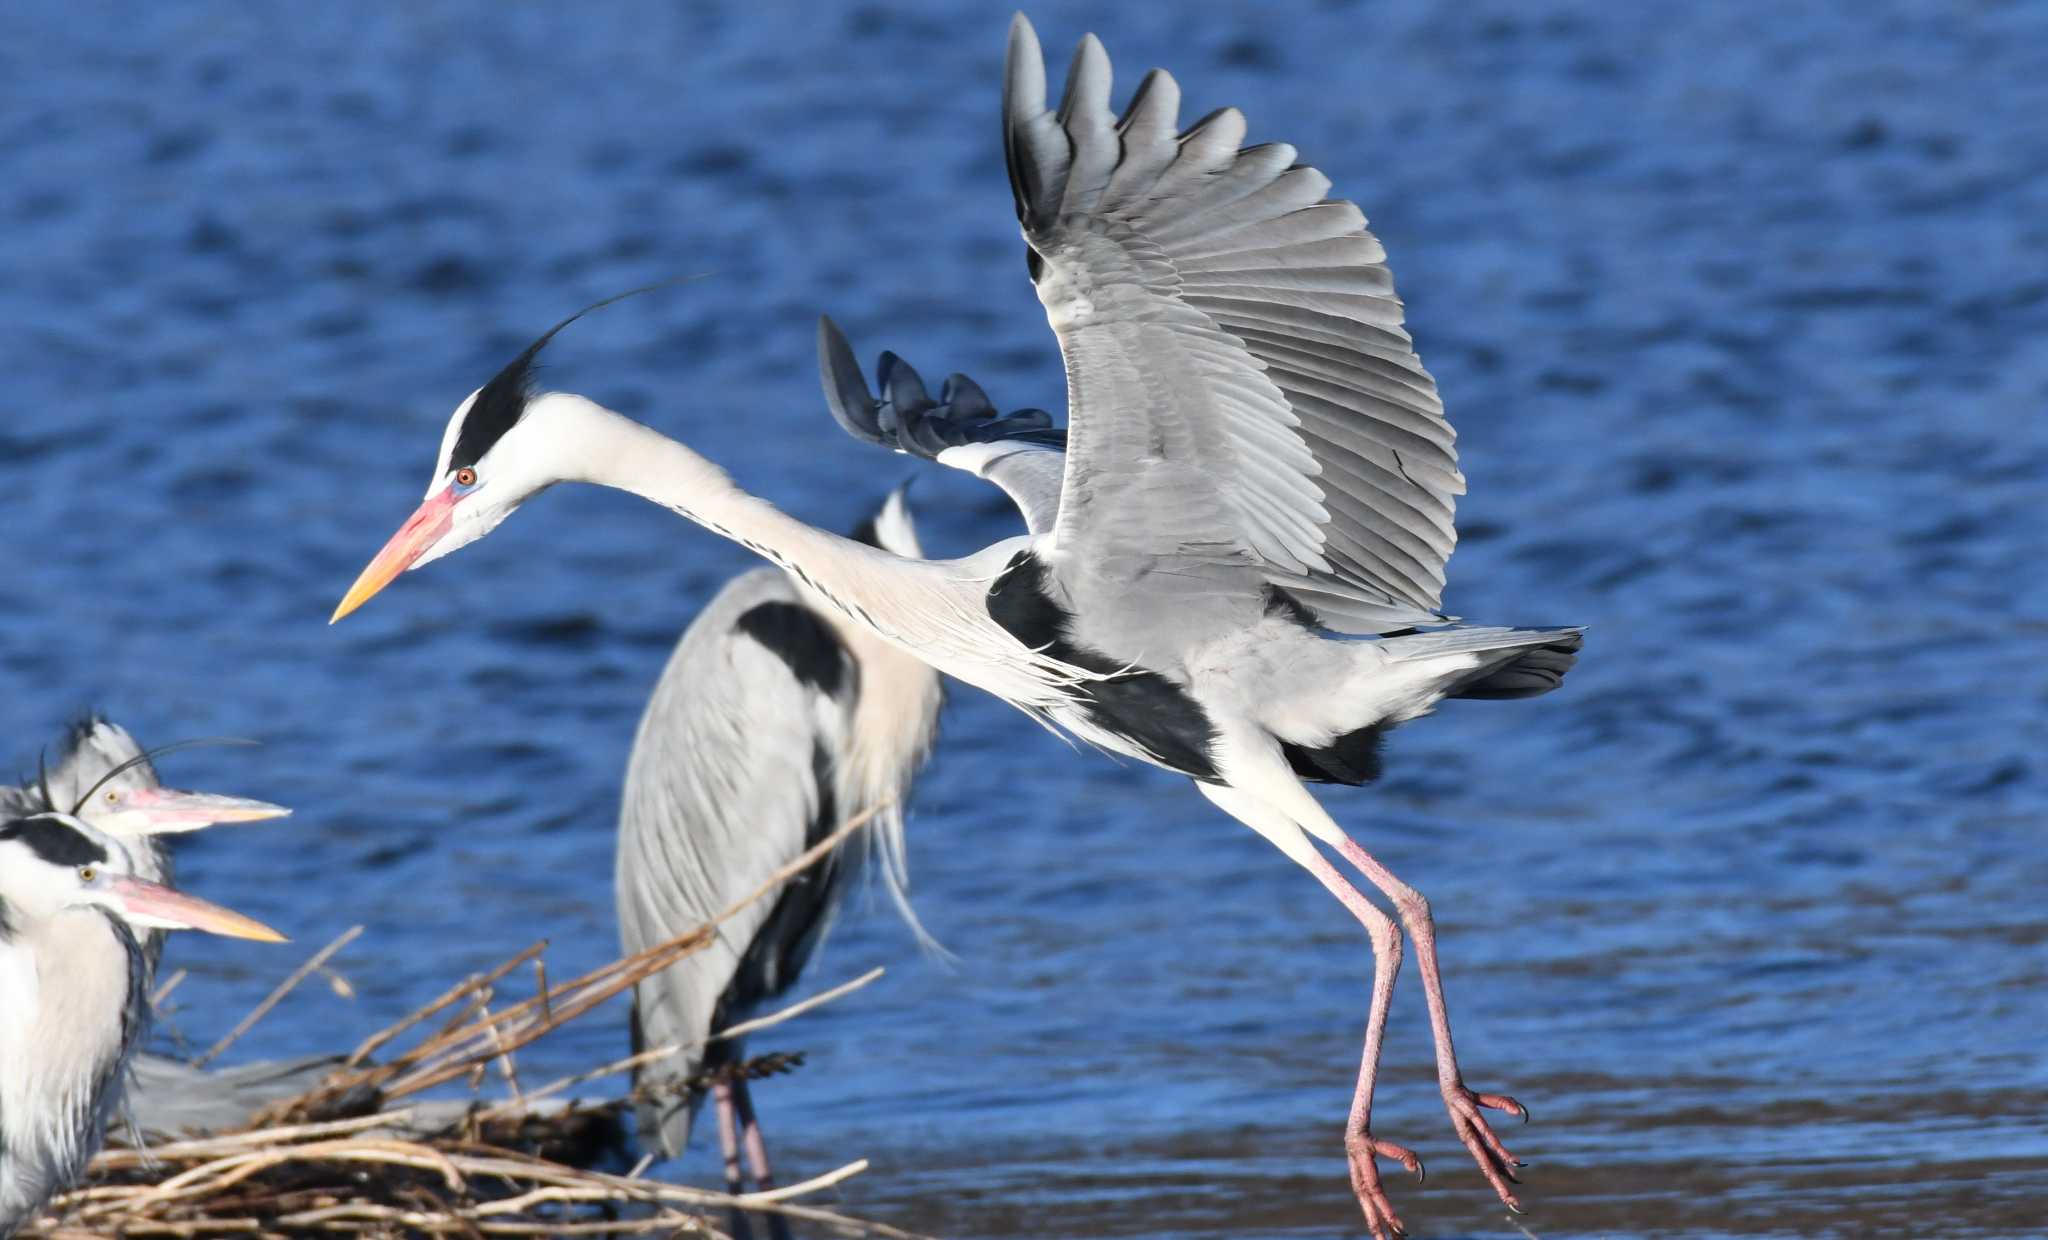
(742, 761)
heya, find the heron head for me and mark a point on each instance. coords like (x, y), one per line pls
(140, 811)
(490, 462)
(495, 455)
(105, 778)
(53, 863)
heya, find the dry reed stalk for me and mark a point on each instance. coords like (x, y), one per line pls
(303, 1169)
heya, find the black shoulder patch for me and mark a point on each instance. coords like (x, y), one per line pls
(1148, 708)
(54, 840)
(801, 638)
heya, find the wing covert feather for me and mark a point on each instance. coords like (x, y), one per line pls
(1238, 370)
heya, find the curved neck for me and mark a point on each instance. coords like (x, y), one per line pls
(611, 450)
(933, 610)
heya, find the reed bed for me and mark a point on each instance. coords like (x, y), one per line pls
(361, 1152)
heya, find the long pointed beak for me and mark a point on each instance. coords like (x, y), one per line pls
(420, 531)
(158, 907)
(162, 811)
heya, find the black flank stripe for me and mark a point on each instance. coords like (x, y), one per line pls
(1144, 706)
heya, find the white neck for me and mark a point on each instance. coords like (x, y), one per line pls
(933, 609)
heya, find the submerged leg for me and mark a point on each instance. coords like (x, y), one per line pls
(729, 1146)
(757, 1153)
(1361, 1148)
(1494, 1160)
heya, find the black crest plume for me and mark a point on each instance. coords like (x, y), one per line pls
(145, 756)
(500, 403)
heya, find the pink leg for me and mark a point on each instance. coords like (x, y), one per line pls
(729, 1146)
(1493, 1158)
(757, 1153)
(1361, 1148)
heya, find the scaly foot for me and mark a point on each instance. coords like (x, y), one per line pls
(1470, 1123)
(1363, 1149)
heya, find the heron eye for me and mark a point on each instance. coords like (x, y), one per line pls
(112, 796)
(465, 477)
(87, 873)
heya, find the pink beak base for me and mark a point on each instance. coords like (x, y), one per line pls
(421, 530)
(159, 907)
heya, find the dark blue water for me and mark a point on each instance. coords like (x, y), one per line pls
(1739, 311)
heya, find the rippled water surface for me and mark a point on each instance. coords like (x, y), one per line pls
(1739, 310)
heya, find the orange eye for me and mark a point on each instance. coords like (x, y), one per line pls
(465, 477)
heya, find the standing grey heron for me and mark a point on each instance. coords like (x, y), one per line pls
(776, 719)
(74, 1004)
(1241, 579)
(105, 778)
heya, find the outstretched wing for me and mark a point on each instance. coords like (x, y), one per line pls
(1238, 375)
(1020, 451)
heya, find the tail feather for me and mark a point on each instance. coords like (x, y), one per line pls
(1533, 672)
(1518, 662)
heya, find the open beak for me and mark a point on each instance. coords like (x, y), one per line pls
(421, 530)
(162, 811)
(157, 907)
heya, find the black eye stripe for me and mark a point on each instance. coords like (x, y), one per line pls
(497, 409)
(55, 841)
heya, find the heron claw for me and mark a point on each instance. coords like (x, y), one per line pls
(1468, 1120)
(1364, 1150)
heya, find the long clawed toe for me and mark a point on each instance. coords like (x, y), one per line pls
(1364, 1151)
(1469, 1121)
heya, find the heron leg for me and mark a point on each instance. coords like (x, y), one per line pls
(729, 1147)
(1465, 1106)
(1362, 1150)
(757, 1153)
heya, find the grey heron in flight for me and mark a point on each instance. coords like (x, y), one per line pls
(1241, 579)
(776, 719)
(74, 1003)
(104, 777)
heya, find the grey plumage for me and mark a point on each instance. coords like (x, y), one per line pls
(1263, 312)
(170, 1098)
(1020, 451)
(83, 911)
(92, 747)
(1238, 576)
(101, 773)
(74, 1005)
(773, 722)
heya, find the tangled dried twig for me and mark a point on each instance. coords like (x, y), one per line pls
(343, 1159)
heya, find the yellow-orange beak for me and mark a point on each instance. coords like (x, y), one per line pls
(420, 531)
(158, 907)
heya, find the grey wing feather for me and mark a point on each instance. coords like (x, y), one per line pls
(1237, 368)
(1020, 451)
(723, 789)
(170, 1098)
